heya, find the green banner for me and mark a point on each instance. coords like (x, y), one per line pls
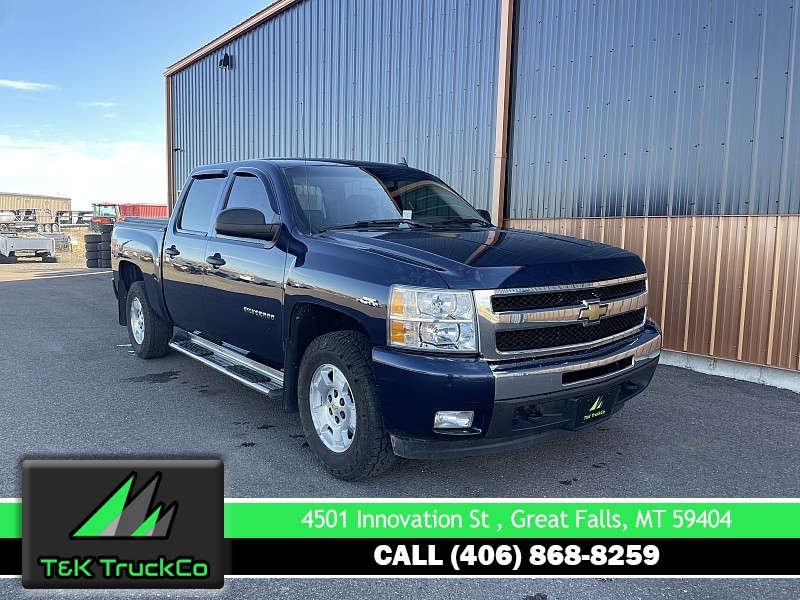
(508, 518)
(342, 518)
(10, 519)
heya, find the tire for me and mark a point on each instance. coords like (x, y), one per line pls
(55, 227)
(105, 236)
(39, 228)
(92, 255)
(93, 247)
(49, 259)
(149, 335)
(104, 263)
(92, 238)
(342, 361)
(106, 228)
(92, 263)
(105, 246)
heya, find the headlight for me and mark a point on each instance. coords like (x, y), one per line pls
(432, 319)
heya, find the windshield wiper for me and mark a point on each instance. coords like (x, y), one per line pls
(465, 221)
(377, 223)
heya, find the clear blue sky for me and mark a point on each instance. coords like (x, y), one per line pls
(82, 91)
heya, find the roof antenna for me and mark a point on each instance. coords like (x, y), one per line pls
(403, 161)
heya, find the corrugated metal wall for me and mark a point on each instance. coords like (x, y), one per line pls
(360, 79)
(654, 107)
(671, 129)
(22, 201)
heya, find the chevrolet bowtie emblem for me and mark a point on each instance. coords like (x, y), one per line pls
(592, 311)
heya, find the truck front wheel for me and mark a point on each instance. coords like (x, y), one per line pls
(339, 407)
(149, 335)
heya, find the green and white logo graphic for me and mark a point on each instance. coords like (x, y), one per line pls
(123, 516)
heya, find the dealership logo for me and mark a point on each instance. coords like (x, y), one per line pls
(82, 520)
(592, 311)
(596, 410)
(123, 516)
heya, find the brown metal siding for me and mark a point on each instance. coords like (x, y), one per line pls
(785, 346)
(729, 299)
(754, 316)
(697, 330)
(655, 258)
(676, 282)
(760, 269)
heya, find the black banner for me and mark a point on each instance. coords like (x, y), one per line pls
(521, 557)
(490, 557)
(10, 556)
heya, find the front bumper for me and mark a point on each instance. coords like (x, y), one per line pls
(515, 403)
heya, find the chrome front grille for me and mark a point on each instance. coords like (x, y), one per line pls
(539, 338)
(558, 299)
(552, 320)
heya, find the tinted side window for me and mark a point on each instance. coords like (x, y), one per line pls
(248, 192)
(199, 204)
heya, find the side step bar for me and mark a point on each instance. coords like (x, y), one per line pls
(229, 362)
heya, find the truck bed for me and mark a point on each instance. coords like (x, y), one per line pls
(12, 245)
(147, 223)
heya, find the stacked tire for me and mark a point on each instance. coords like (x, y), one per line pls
(98, 248)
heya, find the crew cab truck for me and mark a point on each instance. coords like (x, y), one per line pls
(392, 314)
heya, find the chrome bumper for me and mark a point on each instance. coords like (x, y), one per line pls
(547, 376)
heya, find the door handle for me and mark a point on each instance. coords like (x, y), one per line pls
(215, 261)
(172, 251)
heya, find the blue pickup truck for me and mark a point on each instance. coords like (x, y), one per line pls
(383, 307)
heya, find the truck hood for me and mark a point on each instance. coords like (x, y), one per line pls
(497, 258)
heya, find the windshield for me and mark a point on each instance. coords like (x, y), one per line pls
(330, 196)
(101, 210)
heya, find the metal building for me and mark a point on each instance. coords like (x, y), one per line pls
(23, 201)
(668, 127)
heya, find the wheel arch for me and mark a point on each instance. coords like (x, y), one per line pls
(128, 274)
(308, 322)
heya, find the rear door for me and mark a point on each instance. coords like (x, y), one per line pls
(184, 252)
(244, 295)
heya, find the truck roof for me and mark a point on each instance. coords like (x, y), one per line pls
(297, 162)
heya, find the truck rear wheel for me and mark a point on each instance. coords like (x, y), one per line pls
(339, 407)
(149, 335)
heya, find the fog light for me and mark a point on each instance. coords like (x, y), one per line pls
(453, 419)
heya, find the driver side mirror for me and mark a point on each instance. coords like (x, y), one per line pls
(247, 223)
(485, 214)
